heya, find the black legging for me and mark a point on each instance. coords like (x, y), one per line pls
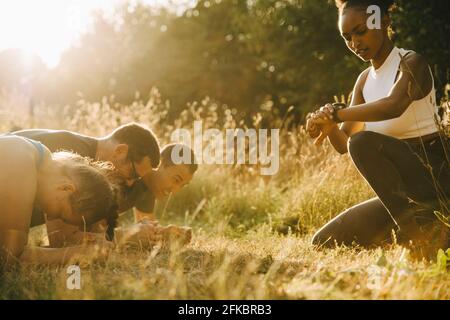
(397, 172)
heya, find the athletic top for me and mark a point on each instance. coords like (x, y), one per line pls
(37, 216)
(56, 140)
(417, 120)
(40, 148)
(140, 197)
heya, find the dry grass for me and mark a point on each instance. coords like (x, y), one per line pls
(251, 234)
(257, 266)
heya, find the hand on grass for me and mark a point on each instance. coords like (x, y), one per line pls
(147, 235)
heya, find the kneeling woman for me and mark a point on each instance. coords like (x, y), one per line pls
(36, 186)
(392, 137)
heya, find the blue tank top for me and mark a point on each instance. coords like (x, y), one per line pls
(40, 148)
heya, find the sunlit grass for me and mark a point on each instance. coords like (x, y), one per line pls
(251, 233)
(259, 265)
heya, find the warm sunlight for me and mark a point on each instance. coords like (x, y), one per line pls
(48, 27)
(212, 159)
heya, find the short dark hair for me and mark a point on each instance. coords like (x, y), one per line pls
(166, 156)
(141, 142)
(385, 5)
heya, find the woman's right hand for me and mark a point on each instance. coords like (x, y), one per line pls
(319, 123)
(312, 128)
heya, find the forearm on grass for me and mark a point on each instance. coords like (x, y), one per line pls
(61, 234)
(52, 256)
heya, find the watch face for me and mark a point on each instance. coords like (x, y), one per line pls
(339, 105)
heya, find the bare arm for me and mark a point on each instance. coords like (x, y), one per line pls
(414, 83)
(61, 234)
(145, 234)
(18, 174)
(338, 136)
(63, 256)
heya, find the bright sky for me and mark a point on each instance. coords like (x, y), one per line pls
(48, 27)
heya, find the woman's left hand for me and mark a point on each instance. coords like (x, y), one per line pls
(324, 119)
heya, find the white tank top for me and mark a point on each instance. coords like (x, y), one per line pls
(417, 120)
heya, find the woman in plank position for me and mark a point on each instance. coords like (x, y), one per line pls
(36, 186)
(392, 136)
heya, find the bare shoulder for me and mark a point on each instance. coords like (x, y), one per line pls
(360, 82)
(414, 62)
(362, 78)
(413, 56)
(15, 144)
(364, 73)
(415, 69)
(16, 150)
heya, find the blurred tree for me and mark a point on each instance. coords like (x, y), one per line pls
(20, 74)
(424, 26)
(19, 68)
(254, 55)
(257, 54)
(117, 57)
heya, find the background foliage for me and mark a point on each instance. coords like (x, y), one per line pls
(252, 233)
(249, 54)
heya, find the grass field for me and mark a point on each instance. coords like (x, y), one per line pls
(251, 233)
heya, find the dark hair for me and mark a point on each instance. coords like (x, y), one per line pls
(94, 197)
(385, 5)
(166, 156)
(111, 222)
(141, 142)
(120, 189)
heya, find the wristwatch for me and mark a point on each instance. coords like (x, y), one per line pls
(337, 106)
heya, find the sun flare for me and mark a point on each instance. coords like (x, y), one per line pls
(48, 27)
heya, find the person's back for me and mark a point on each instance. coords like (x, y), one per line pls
(57, 140)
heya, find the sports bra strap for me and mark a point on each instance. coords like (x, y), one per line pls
(40, 147)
